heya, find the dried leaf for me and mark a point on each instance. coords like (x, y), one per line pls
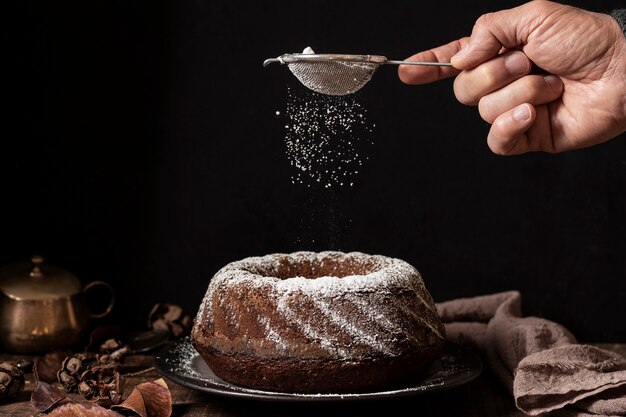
(46, 367)
(80, 410)
(150, 399)
(45, 397)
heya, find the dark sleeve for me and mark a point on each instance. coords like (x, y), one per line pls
(620, 16)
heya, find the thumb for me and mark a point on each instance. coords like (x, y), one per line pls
(504, 29)
(416, 74)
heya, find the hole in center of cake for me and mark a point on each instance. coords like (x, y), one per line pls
(330, 266)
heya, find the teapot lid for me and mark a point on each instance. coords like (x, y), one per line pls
(37, 281)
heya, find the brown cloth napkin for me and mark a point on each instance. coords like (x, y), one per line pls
(538, 360)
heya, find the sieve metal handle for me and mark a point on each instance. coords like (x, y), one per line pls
(271, 61)
(279, 60)
(434, 64)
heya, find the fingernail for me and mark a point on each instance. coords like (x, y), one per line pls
(553, 82)
(522, 113)
(516, 63)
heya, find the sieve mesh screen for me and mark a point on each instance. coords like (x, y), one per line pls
(336, 78)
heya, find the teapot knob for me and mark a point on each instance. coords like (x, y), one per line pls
(36, 271)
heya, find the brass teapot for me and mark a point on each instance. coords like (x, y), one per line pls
(43, 307)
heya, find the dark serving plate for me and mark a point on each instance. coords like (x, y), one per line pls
(180, 363)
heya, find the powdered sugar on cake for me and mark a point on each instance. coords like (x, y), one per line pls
(370, 314)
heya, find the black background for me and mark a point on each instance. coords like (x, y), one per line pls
(141, 147)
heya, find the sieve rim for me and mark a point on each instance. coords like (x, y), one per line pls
(295, 58)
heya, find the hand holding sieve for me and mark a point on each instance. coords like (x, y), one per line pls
(338, 74)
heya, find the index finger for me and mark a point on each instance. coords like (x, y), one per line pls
(417, 74)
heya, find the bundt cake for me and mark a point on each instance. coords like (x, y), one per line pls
(327, 322)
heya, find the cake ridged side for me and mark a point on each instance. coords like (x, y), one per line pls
(385, 313)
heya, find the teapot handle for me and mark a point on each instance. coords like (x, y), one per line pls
(111, 303)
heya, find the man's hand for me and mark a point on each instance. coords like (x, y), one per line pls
(547, 77)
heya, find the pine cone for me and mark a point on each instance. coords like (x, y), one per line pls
(170, 317)
(111, 345)
(102, 384)
(113, 351)
(11, 380)
(71, 370)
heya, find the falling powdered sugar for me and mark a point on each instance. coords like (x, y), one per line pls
(326, 138)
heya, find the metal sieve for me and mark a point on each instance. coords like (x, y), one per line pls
(337, 74)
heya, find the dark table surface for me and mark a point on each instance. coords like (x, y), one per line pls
(482, 397)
